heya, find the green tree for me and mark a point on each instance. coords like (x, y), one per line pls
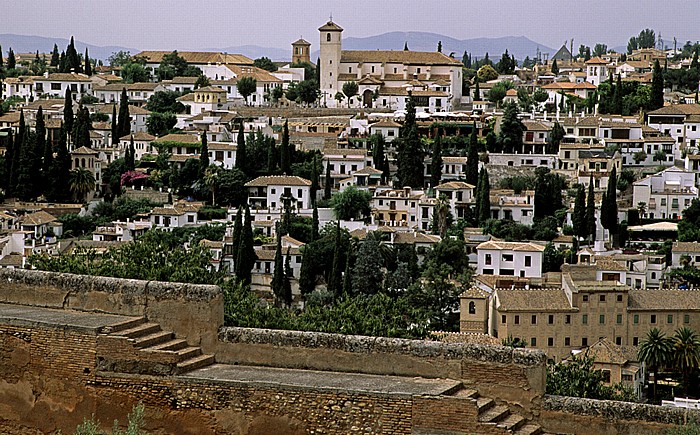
(246, 257)
(160, 124)
(552, 258)
(367, 274)
(335, 278)
(328, 182)
(246, 87)
(477, 92)
(81, 183)
(410, 151)
(379, 158)
(123, 119)
(165, 101)
(285, 151)
(241, 152)
(590, 211)
(655, 350)
(486, 73)
(608, 215)
(173, 65)
(472, 172)
(278, 275)
(307, 91)
(436, 294)
(548, 188)
(498, 91)
(81, 128)
(579, 215)
(68, 113)
(59, 171)
(600, 49)
(72, 58)
(436, 160)
(657, 87)
(510, 137)
(88, 65)
(351, 203)
(203, 155)
(576, 377)
(202, 82)
(54, 57)
(314, 223)
(265, 63)
(113, 125)
(555, 68)
(130, 156)
(483, 199)
(43, 150)
(555, 137)
(11, 60)
(686, 353)
(135, 73)
(25, 146)
(350, 90)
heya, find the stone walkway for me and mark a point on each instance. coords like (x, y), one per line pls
(320, 380)
(29, 316)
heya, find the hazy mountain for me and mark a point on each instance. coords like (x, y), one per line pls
(519, 46)
(256, 51)
(30, 44)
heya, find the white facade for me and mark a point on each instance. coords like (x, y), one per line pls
(510, 258)
(222, 154)
(269, 192)
(55, 85)
(666, 194)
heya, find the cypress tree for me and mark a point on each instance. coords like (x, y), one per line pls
(59, 188)
(62, 63)
(11, 61)
(610, 204)
(88, 65)
(241, 157)
(318, 72)
(130, 156)
(43, 149)
(25, 174)
(335, 285)
(555, 68)
(314, 224)
(410, 150)
(203, 155)
(484, 200)
(604, 212)
(278, 274)
(287, 282)
(55, 57)
(68, 113)
(271, 158)
(436, 161)
(246, 253)
(285, 155)
(314, 180)
(72, 59)
(347, 279)
(617, 97)
(472, 173)
(579, 215)
(328, 182)
(115, 130)
(9, 160)
(81, 129)
(657, 88)
(590, 211)
(237, 230)
(2, 63)
(477, 92)
(123, 120)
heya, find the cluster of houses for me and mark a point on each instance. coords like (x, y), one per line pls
(603, 304)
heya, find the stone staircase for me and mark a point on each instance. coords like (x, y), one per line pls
(499, 416)
(154, 344)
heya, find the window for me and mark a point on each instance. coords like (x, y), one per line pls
(636, 319)
(619, 297)
(635, 341)
(487, 258)
(55, 86)
(503, 319)
(584, 319)
(328, 38)
(550, 319)
(507, 257)
(550, 341)
(670, 318)
(534, 319)
(533, 342)
(299, 193)
(602, 319)
(528, 261)
(619, 319)
(686, 318)
(273, 190)
(568, 319)
(517, 320)
(618, 341)
(602, 298)
(584, 342)
(606, 375)
(567, 341)
(190, 218)
(472, 307)
(585, 298)
(653, 319)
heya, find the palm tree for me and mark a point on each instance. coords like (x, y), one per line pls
(81, 183)
(211, 180)
(655, 351)
(686, 355)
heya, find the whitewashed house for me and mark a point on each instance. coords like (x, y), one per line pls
(521, 259)
(666, 194)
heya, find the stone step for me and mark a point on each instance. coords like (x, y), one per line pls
(121, 326)
(466, 393)
(529, 429)
(153, 339)
(484, 403)
(494, 414)
(172, 345)
(140, 330)
(512, 423)
(195, 363)
(189, 352)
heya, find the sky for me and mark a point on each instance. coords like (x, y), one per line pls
(200, 24)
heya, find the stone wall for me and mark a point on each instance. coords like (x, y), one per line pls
(571, 414)
(513, 375)
(189, 310)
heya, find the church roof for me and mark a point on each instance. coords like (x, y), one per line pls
(330, 25)
(562, 54)
(402, 56)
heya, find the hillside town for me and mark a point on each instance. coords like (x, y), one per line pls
(549, 202)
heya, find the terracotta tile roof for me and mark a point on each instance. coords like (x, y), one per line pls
(182, 138)
(212, 244)
(370, 80)
(221, 146)
(474, 292)
(664, 300)
(128, 86)
(139, 136)
(211, 89)
(12, 259)
(385, 123)
(258, 74)
(413, 238)
(37, 218)
(399, 56)
(181, 80)
(46, 104)
(677, 109)
(200, 57)
(605, 351)
(278, 180)
(84, 150)
(133, 110)
(63, 77)
(511, 246)
(301, 41)
(292, 240)
(606, 263)
(330, 25)
(537, 300)
(596, 61)
(686, 247)
(344, 152)
(454, 185)
(368, 170)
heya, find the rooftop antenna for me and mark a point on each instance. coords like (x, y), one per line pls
(330, 17)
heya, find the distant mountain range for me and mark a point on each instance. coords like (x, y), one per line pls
(30, 44)
(519, 46)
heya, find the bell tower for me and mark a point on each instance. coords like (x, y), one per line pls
(300, 51)
(329, 63)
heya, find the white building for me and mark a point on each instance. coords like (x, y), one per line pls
(54, 85)
(596, 71)
(222, 154)
(173, 216)
(459, 194)
(522, 259)
(138, 93)
(270, 192)
(142, 145)
(666, 194)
